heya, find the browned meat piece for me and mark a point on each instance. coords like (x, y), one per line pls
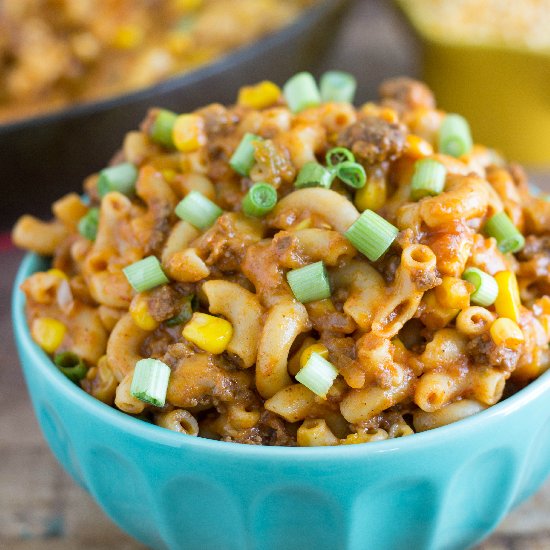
(342, 354)
(483, 351)
(534, 246)
(407, 92)
(164, 302)
(274, 164)
(535, 259)
(198, 379)
(224, 244)
(373, 140)
(218, 120)
(270, 430)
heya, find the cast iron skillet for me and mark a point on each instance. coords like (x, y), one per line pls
(43, 157)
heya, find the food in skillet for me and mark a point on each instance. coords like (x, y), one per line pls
(57, 53)
(293, 270)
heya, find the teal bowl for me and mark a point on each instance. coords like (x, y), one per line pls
(443, 489)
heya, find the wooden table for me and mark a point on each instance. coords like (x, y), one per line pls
(42, 509)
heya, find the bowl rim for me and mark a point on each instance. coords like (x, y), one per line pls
(161, 436)
(226, 62)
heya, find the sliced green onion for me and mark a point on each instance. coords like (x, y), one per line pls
(455, 138)
(312, 174)
(242, 159)
(145, 274)
(501, 227)
(309, 283)
(317, 374)
(161, 129)
(352, 174)
(336, 155)
(260, 199)
(184, 315)
(428, 179)
(150, 381)
(338, 86)
(301, 92)
(199, 211)
(121, 178)
(87, 225)
(71, 365)
(486, 287)
(371, 234)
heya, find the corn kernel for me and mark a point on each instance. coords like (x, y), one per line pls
(454, 293)
(179, 42)
(187, 5)
(544, 321)
(209, 333)
(314, 348)
(372, 196)
(259, 96)
(188, 133)
(389, 115)
(417, 148)
(168, 175)
(58, 273)
(128, 37)
(506, 332)
(139, 310)
(48, 333)
(508, 300)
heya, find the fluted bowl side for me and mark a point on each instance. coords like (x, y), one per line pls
(444, 489)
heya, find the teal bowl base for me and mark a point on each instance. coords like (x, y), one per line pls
(441, 490)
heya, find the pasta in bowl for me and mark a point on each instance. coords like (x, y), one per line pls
(295, 271)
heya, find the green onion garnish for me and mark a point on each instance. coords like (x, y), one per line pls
(161, 129)
(338, 86)
(260, 199)
(184, 315)
(121, 178)
(87, 225)
(309, 283)
(371, 234)
(199, 211)
(301, 92)
(317, 374)
(501, 227)
(455, 138)
(145, 274)
(242, 159)
(336, 155)
(71, 365)
(312, 174)
(352, 174)
(486, 287)
(150, 381)
(428, 179)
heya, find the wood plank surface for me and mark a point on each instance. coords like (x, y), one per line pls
(42, 509)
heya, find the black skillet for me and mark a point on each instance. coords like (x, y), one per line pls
(43, 157)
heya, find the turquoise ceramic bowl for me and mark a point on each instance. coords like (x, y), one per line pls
(444, 489)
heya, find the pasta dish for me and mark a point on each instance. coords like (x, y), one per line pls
(294, 270)
(53, 54)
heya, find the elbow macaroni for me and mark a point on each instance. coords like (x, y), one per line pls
(410, 350)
